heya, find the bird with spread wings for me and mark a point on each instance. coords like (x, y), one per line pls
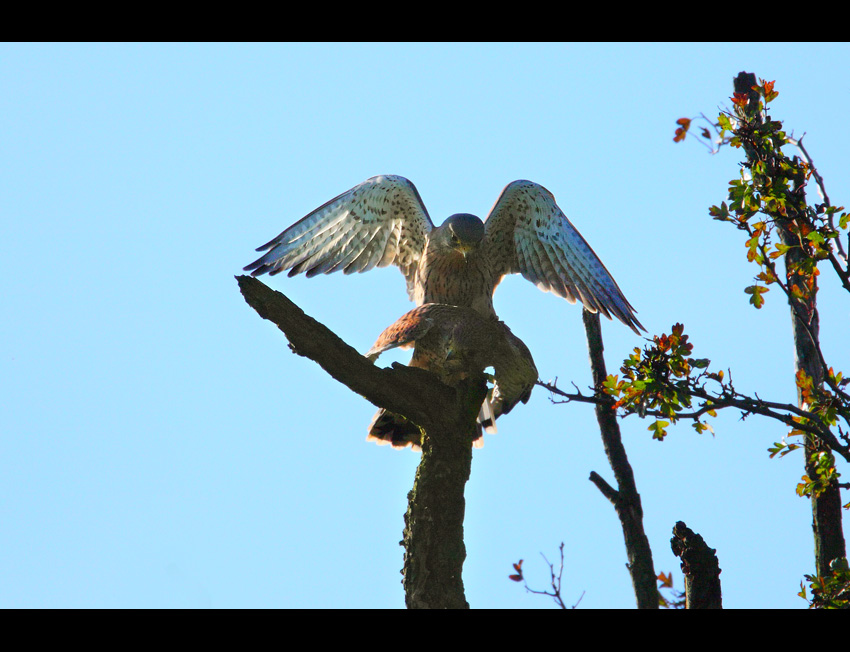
(383, 221)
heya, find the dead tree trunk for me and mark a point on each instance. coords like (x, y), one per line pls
(433, 534)
(700, 568)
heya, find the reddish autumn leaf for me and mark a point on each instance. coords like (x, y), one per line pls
(740, 99)
(804, 381)
(769, 93)
(518, 568)
(684, 125)
(666, 580)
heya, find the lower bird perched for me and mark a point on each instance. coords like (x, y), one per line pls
(454, 342)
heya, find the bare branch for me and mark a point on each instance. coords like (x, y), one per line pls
(607, 490)
(625, 499)
(404, 390)
(554, 581)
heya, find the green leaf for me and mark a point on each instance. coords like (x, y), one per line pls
(752, 248)
(756, 291)
(658, 429)
(720, 213)
(781, 250)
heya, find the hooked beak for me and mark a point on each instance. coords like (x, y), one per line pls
(463, 247)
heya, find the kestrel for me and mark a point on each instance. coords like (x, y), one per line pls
(453, 342)
(383, 221)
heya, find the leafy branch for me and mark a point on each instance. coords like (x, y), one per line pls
(831, 590)
(666, 382)
(768, 202)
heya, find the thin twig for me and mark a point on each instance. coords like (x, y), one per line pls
(555, 581)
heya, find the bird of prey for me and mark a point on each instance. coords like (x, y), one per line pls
(383, 221)
(454, 342)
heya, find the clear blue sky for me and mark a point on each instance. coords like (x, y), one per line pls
(160, 446)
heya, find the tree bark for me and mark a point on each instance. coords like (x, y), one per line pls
(700, 567)
(433, 533)
(625, 498)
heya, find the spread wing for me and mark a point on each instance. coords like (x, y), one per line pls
(515, 374)
(379, 222)
(527, 233)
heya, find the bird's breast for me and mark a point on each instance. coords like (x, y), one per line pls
(447, 276)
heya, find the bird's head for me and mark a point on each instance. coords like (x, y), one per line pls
(462, 232)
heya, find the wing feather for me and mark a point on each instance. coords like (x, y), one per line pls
(348, 248)
(379, 222)
(527, 233)
(370, 254)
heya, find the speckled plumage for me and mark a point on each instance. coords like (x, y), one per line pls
(456, 266)
(453, 342)
(383, 221)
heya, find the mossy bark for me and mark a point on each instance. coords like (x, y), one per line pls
(433, 532)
